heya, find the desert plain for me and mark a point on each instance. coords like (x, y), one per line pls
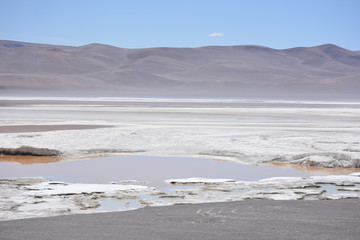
(208, 142)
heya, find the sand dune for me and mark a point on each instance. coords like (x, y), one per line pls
(321, 72)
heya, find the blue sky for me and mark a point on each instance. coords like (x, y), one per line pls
(183, 23)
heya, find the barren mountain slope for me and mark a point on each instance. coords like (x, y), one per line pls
(325, 71)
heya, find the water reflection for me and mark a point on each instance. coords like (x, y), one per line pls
(151, 170)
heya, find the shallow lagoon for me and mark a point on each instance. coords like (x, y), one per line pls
(148, 170)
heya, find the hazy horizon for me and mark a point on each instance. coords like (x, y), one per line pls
(201, 46)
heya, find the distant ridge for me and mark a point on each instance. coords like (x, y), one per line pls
(247, 71)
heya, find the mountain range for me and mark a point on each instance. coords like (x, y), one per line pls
(246, 71)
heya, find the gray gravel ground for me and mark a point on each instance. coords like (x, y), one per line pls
(259, 219)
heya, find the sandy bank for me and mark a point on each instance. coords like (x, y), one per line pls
(329, 220)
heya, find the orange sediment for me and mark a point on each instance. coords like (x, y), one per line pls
(315, 170)
(27, 160)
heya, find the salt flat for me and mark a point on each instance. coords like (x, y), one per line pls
(250, 132)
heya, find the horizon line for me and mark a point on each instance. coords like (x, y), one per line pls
(203, 46)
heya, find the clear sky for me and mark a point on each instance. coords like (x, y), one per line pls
(183, 23)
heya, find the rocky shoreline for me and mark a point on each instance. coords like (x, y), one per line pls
(30, 151)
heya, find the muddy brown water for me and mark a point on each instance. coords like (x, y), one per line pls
(29, 160)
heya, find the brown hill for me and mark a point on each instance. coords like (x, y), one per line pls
(321, 72)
